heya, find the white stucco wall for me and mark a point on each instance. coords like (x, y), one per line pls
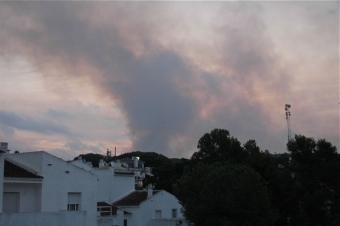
(65, 218)
(105, 182)
(81, 164)
(2, 164)
(29, 195)
(122, 185)
(164, 201)
(105, 221)
(57, 183)
(112, 186)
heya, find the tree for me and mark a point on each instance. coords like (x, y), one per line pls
(91, 157)
(164, 176)
(224, 194)
(316, 167)
(218, 146)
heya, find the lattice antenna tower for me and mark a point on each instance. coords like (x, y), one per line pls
(287, 110)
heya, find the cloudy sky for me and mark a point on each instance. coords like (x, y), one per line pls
(80, 77)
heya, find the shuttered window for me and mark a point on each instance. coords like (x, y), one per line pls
(74, 201)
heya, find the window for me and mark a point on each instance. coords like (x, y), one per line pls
(104, 210)
(125, 222)
(74, 201)
(174, 213)
(73, 207)
(158, 214)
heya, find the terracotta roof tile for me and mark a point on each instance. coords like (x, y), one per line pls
(14, 171)
(133, 199)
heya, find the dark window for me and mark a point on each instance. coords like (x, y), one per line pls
(125, 222)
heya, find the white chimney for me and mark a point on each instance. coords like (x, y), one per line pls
(4, 147)
(150, 190)
(135, 162)
(101, 163)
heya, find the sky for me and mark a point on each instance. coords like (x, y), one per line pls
(84, 77)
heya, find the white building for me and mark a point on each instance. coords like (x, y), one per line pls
(38, 188)
(135, 165)
(113, 182)
(150, 208)
(119, 204)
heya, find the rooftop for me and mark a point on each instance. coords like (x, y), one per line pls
(134, 198)
(113, 208)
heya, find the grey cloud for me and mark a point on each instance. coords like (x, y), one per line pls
(38, 125)
(76, 145)
(7, 131)
(58, 114)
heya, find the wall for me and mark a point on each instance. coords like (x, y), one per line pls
(51, 219)
(105, 221)
(105, 180)
(163, 201)
(113, 186)
(114, 220)
(57, 183)
(82, 165)
(122, 185)
(2, 165)
(29, 195)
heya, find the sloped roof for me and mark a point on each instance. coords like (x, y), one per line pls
(14, 171)
(114, 208)
(134, 198)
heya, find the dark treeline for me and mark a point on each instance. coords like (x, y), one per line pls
(226, 183)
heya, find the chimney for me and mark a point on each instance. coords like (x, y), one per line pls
(150, 190)
(4, 147)
(135, 162)
(101, 163)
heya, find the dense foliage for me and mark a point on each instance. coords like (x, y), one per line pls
(224, 194)
(302, 185)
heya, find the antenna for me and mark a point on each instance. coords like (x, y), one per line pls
(108, 155)
(287, 109)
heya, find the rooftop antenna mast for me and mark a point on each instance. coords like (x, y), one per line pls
(108, 155)
(287, 109)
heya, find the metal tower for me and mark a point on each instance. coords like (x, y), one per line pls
(287, 109)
